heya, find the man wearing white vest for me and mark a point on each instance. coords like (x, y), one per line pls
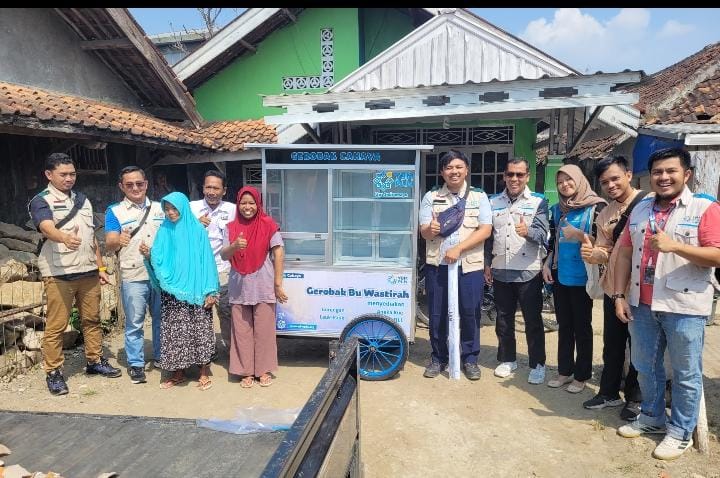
(668, 250)
(513, 261)
(463, 245)
(128, 224)
(71, 266)
(215, 214)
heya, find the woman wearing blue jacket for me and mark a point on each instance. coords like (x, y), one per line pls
(570, 219)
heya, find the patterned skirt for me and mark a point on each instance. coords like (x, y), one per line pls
(186, 334)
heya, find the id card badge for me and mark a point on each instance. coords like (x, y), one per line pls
(649, 276)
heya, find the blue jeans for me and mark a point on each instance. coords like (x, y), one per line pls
(136, 298)
(683, 335)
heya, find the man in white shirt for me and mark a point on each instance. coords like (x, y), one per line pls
(215, 214)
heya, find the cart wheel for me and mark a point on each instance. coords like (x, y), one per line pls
(383, 346)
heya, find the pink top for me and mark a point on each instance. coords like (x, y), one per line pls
(257, 287)
(708, 236)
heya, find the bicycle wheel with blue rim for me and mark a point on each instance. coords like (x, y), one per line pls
(383, 346)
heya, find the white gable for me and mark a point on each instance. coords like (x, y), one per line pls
(452, 48)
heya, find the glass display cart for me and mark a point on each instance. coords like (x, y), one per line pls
(348, 216)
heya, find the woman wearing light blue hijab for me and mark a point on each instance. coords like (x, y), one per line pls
(182, 265)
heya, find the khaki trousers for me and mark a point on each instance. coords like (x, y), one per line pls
(60, 295)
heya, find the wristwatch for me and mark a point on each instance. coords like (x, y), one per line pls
(614, 297)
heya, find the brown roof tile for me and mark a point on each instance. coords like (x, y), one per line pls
(683, 92)
(233, 135)
(46, 106)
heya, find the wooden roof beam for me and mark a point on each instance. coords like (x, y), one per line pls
(289, 14)
(114, 44)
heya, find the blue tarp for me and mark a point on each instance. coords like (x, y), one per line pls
(646, 145)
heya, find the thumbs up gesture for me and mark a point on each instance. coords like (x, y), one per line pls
(124, 238)
(204, 220)
(240, 242)
(662, 242)
(571, 232)
(434, 225)
(586, 248)
(71, 240)
(144, 249)
(521, 229)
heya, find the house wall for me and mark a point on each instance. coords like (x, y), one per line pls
(234, 92)
(38, 48)
(706, 176)
(379, 29)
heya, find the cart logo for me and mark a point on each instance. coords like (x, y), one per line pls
(383, 180)
(397, 279)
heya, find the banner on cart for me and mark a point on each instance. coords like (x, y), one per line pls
(323, 302)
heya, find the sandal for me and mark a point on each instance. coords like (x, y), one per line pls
(204, 384)
(172, 381)
(265, 380)
(247, 382)
(559, 381)
(576, 387)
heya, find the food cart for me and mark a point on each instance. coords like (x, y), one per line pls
(348, 216)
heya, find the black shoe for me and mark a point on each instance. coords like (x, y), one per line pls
(137, 374)
(631, 411)
(102, 368)
(601, 401)
(472, 371)
(56, 382)
(433, 369)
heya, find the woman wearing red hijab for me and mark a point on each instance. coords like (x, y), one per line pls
(255, 284)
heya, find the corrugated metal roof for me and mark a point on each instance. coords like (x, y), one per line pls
(453, 48)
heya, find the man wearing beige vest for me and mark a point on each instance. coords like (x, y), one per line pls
(128, 224)
(668, 250)
(463, 245)
(514, 256)
(71, 266)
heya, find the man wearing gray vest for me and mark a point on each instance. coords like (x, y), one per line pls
(68, 261)
(129, 223)
(513, 262)
(668, 250)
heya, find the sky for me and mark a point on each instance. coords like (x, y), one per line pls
(587, 39)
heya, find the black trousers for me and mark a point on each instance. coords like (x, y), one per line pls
(615, 336)
(573, 309)
(529, 294)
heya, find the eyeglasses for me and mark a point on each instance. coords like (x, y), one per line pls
(137, 184)
(515, 175)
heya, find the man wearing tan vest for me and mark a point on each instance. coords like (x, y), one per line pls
(68, 261)
(668, 250)
(463, 245)
(129, 223)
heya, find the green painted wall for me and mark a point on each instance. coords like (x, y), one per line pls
(525, 136)
(379, 29)
(294, 50)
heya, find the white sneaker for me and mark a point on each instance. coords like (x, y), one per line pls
(671, 448)
(635, 429)
(505, 369)
(537, 375)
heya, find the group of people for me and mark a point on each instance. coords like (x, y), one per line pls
(658, 250)
(178, 260)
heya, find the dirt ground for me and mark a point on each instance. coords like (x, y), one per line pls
(413, 426)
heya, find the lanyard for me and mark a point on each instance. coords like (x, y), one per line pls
(653, 225)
